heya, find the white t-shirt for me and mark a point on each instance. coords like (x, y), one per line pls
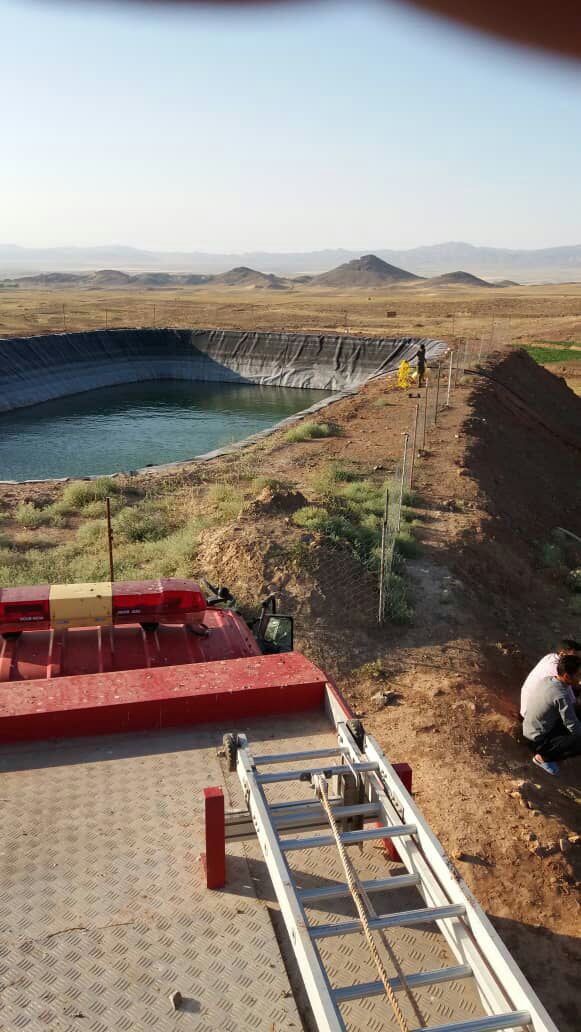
(546, 667)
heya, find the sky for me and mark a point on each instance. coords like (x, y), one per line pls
(319, 125)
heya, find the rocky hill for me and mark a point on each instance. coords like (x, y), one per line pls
(367, 271)
(457, 279)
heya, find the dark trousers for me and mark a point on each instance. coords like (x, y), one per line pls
(559, 744)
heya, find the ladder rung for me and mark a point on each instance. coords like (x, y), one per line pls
(398, 881)
(517, 1019)
(263, 761)
(305, 775)
(403, 918)
(311, 816)
(348, 838)
(358, 992)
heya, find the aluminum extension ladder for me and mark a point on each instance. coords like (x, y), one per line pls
(507, 999)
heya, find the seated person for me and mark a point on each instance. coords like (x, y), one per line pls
(547, 667)
(551, 726)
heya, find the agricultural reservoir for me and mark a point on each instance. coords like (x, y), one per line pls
(81, 404)
(138, 424)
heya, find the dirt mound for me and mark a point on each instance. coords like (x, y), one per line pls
(271, 502)
(332, 597)
(367, 271)
(108, 278)
(458, 279)
(242, 276)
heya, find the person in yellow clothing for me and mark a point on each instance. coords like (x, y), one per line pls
(404, 375)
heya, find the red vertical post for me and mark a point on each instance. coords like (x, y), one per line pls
(214, 859)
(404, 773)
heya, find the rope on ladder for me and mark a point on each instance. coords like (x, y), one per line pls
(358, 893)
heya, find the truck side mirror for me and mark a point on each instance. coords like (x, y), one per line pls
(276, 634)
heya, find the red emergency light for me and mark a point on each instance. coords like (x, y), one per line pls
(148, 603)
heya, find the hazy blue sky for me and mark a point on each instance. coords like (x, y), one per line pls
(320, 126)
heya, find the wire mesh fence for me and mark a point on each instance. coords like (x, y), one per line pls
(396, 492)
(455, 369)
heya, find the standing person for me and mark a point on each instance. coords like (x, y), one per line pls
(551, 726)
(421, 361)
(547, 667)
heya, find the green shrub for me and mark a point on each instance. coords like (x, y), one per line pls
(399, 606)
(227, 499)
(366, 496)
(55, 515)
(27, 515)
(309, 516)
(92, 534)
(135, 524)
(82, 492)
(97, 508)
(337, 473)
(310, 431)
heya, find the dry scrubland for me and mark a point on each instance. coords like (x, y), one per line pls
(485, 582)
(520, 314)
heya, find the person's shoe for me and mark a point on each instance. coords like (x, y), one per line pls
(547, 766)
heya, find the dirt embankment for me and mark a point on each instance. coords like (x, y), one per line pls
(500, 473)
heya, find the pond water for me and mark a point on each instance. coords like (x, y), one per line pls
(138, 424)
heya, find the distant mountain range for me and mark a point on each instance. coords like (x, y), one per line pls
(366, 273)
(549, 264)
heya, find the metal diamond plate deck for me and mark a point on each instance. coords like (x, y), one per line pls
(103, 905)
(104, 910)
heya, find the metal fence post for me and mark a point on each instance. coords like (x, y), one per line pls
(449, 379)
(381, 612)
(414, 445)
(425, 418)
(437, 393)
(406, 438)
